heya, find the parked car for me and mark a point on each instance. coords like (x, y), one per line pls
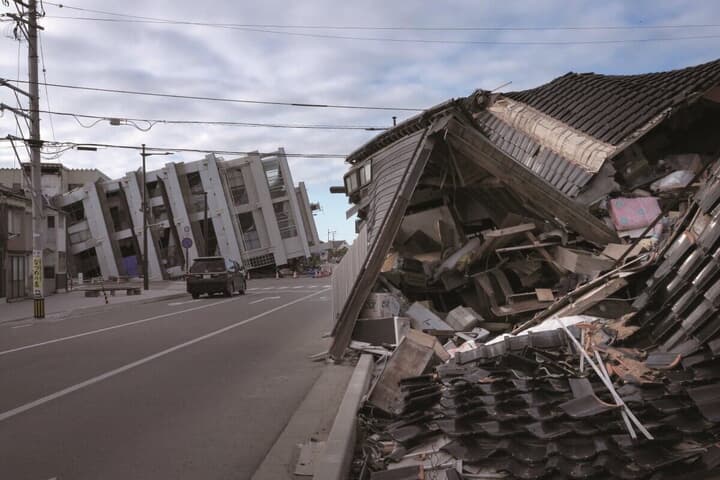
(215, 275)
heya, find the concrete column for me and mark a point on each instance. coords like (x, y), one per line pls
(94, 213)
(266, 208)
(134, 199)
(218, 210)
(178, 206)
(308, 218)
(294, 208)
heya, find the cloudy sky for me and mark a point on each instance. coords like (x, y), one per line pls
(275, 56)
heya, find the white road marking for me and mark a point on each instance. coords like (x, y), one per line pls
(266, 288)
(23, 326)
(175, 304)
(114, 327)
(263, 299)
(299, 286)
(142, 361)
(282, 288)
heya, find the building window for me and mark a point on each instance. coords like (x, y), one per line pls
(249, 231)
(49, 272)
(75, 213)
(285, 221)
(195, 182)
(50, 221)
(159, 213)
(358, 177)
(15, 221)
(366, 174)
(79, 237)
(236, 182)
(275, 180)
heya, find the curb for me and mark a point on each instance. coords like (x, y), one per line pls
(334, 464)
(311, 421)
(92, 308)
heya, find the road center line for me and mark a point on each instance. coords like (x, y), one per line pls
(114, 327)
(150, 358)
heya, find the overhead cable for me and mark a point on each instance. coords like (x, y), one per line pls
(384, 28)
(524, 43)
(74, 144)
(220, 99)
(152, 122)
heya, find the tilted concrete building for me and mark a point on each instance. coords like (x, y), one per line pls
(255, 215)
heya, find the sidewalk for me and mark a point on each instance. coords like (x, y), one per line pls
(312, 421)
(65, 303)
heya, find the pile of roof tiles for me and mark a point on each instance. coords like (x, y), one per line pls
(524, 409)
(542, 306)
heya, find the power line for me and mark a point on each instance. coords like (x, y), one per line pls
(73, 144)
(152, 122)
(523, 43)
(219, 99)
(378, 28)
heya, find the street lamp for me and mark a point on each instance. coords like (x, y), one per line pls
(146, 277)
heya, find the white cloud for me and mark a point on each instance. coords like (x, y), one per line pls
(195, 60)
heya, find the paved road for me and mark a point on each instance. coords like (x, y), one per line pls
(195, 389)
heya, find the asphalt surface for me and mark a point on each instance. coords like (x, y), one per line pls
(179, 389)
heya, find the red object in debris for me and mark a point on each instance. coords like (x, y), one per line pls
(633, 213)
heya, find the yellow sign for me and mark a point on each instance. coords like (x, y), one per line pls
(37, 275)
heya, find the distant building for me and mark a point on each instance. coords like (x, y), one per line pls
(255, 215)
(56, 178)
(16, 246)
(332, 249)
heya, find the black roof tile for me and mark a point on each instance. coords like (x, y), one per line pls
(707, 399)
(612, 107)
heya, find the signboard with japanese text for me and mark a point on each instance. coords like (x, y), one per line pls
(37, 274)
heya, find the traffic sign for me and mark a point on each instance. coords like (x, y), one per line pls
(186, 242)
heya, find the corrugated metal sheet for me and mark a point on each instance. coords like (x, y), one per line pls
(396, 171)
(347, 271)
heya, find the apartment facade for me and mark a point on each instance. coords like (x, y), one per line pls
(255, 215)
(16, 246)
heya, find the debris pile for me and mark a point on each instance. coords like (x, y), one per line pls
(538, 274)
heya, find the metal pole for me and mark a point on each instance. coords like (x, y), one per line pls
(38, 239)
(205, 228)
(146, 277)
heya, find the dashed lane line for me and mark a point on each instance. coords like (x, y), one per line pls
(263, 299)
(114, 327)
(142, 361)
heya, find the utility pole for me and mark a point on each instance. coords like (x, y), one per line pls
(38, 224)
(332, 245)
(146, 276)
